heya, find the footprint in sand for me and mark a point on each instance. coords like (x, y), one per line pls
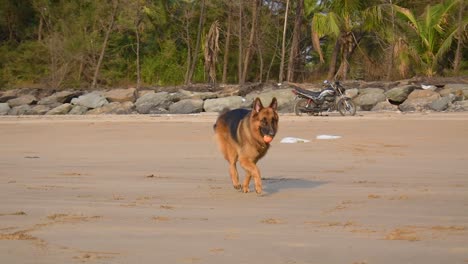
(272, 221)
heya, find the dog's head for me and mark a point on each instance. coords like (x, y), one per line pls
(265, 119)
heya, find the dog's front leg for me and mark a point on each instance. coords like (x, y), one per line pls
(252, 171)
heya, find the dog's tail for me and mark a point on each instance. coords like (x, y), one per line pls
(222, 112)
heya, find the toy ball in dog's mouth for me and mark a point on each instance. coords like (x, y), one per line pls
(267, 139)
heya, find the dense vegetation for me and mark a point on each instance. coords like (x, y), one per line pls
(88, 43)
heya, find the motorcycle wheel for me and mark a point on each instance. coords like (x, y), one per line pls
(346, 106)
(299, 106)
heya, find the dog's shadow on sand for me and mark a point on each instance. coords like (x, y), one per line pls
(275, 185)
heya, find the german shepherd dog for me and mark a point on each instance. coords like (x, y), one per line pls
(244, 135)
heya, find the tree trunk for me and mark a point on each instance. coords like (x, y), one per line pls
(39, 29)
(197, 44)
(189, 50)
(283, 46)
(137, 33)
(241, 52)
(391, 54)
(250, 45)
(333, 60)
(260, 58)
(294, 51)
(348, 47)
(458, 53)
(104, 44)
(226, 45)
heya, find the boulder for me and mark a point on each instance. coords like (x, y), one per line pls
(370, 90)
(459, 93)
(60, 110)
(8, 95)
(419, 100)
(218, 104)
(457, 86)
(4, 108)
(385, 106)
(184, 94)
(399, 94)
(285, 99)
(19, 110)
(186, 106)
(459, 106)
(117, 108)
(90, 100)
(442, 103)
(121, 95)
(38, 110)
(152, 103)
(22, 100)
(78, 110)
(369, 97)
(61, 97)
(352, 93)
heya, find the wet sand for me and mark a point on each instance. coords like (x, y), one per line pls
(154, 189)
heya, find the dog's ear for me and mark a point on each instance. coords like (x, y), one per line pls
(257, 105)
(274, 103)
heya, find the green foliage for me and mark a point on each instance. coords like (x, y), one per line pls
(23, 64)
(165, 68)
(58, 43)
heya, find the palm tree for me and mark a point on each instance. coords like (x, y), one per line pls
(342, 22)
(432, 33)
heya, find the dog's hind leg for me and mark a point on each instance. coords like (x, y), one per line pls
(232, 159)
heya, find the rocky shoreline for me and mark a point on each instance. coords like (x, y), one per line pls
(404, 96)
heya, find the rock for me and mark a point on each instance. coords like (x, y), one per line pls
(78, 110)
(369, 97)
(456, 86)
(152, 103)
(61, 97)
(442, 103)
(22, 100)
(90, 100)
(385, 106)
(459, 106)
(4, 108)
(370, 91)
(399, 94)
(121, 95)
(218, 104)
(60, 110)
(186, 106)
(118, 108)
(38, 110)
(19, 110)
(8, 95)
(4, 99)
(285, 99)
(459, 93)
(352, 93)
(184, 94)
(419, 100)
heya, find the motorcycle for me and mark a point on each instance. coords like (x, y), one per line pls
(331, 98)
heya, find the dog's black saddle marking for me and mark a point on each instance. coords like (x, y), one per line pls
(233, 118)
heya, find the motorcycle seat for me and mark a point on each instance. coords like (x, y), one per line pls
(308, 92)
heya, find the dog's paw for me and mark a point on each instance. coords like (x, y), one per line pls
(258, 189)
(237, 186)
(245, 189)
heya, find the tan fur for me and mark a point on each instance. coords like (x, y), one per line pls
(250, 146)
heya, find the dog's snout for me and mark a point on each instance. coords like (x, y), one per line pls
(268, 131)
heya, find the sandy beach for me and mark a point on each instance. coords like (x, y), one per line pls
(155, 189)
